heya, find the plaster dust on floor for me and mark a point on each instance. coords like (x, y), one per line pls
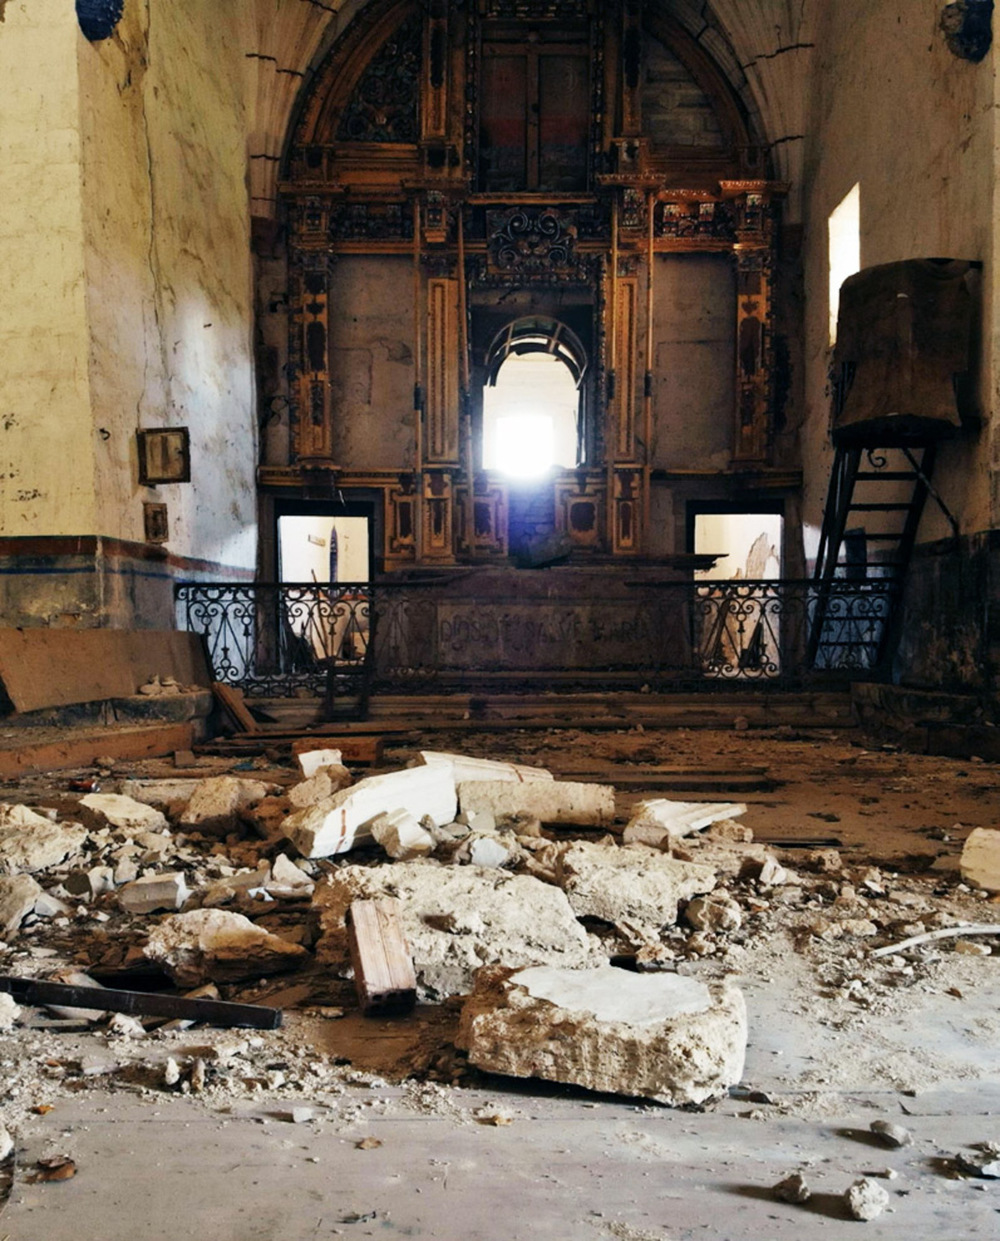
(343, 1125)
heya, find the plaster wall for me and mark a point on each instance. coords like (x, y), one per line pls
(168, 267)
(694, 352)
(46, 450)
(892, 110)
(371, 361)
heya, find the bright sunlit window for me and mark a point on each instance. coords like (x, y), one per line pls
(845, 250)
(530, 416)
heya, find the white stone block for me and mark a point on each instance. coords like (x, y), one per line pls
(312, 760)
(218, 802)
(465, 768)
(549, 801)
(981, 859)
(658, 821)
(154, 892)
(344, 820)
(125, 813)
(633, 885)
(30, 842)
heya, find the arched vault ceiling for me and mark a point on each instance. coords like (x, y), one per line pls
(764, 47)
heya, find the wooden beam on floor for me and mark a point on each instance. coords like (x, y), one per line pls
(125, 744)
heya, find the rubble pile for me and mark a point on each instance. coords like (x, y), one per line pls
(551, 936)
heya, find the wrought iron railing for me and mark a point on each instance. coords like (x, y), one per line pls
(281, 641)
(351, 639)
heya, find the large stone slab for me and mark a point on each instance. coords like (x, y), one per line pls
(632, 884)
(661, 820)
(223, 947)
(218, 803)
(30, 842)
(655, 1036)
(456, 919)
(338, 823)
(549, 801)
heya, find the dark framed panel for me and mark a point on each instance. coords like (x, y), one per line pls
(164, 455)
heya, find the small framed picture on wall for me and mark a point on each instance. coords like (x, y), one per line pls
(164, 456)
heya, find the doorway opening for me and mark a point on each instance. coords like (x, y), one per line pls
(738, 617)
(532, 419)
(324, 565)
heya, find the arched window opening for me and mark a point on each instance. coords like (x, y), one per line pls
(531, 402)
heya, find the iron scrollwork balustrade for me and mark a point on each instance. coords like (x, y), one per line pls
(355, 639)
(282, 641)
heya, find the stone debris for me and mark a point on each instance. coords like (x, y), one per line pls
(661, 821)
(30, 842)
(323, 783)
(18, 894)
(716, 912)
(981, 859)
(154, 892)
(218, 803)
(116, 810)
(890, 1134)
(792, 1189)
(217, 945)
(345, 819)
(6, 1143)
(549, 801)
(310, 761)
(865, 1199)
(10, 1011)
(464, 768)
(984, 1163)
(401, 836)
(169, 795)
(632, 883)
(456, 919)
(658, 1036)
(287, 879)
(483, 850)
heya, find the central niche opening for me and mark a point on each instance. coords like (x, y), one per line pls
(531, 401)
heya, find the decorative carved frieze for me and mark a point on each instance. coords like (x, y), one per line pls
(534, 10)
(309, 355)
(371, 221)
(385, 104)
(695, 221)
(526, 243)
(580, 509)
(482, 533)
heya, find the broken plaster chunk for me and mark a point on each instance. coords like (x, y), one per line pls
(18, 894)
(463, 768)
(217, 804)
(287, 879)
(29, 842)
(549, 801)
(323, 783)
(218, 945)
(154, 892)
(6, 1143)
(981, 859)
(310, 761)
(345, 819)
(455, 919)
(658, 1036)
(716, 912)
(401, 835)
(661, 817)
(866, 1199)
(483, 850)
(124, 813)
(642, 887)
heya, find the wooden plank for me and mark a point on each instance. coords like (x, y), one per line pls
(55, 667)
(362, 749)
(231, 701)
(117, 743)
(383, 968)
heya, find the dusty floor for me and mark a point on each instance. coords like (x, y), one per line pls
(837, 1039)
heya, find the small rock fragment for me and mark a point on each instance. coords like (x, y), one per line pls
(6, 1142)
(866, 1199)
(171, 1073)
(9, 1013)
(981, 859)
(18, 895)
(401, 836)
(115, 810)
(793, 1189)
(890, 1134)
(154, 892)
(716, 912)
(218, 945)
